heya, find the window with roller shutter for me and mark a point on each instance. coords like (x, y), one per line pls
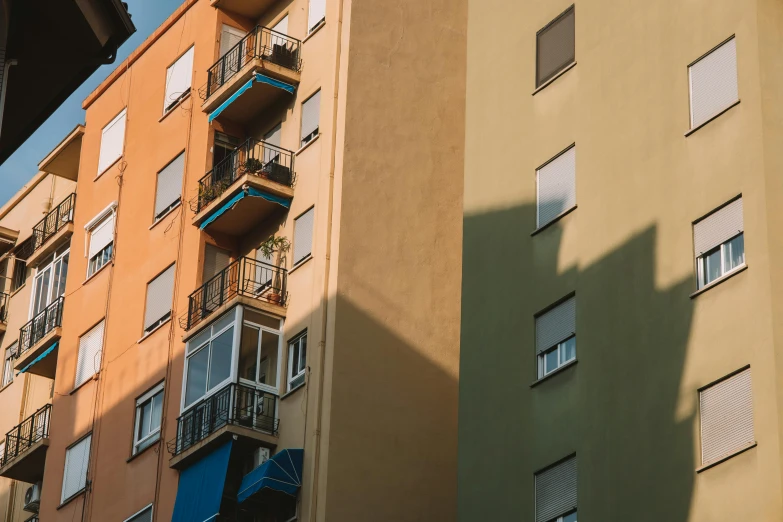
(556, 336)
(556, 488)
(160, 292)
(726, 414)
(145, 515)
(178, 80)
(555, 46)
(77, 460)
(556, 187)
(88, 361)
(316, 14)
(303, 236)
(311, 109)
(101, 242)
(719, 243)
(713, 83)
(229, 37)
(168, 191)
(112, 142)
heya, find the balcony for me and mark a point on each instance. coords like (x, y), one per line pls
(234, 410)
(3, 311)
(246, 280)
(25, 448)
(260, 69)
(248, 8)
(38, 341)
(52, 230)
(254, 181)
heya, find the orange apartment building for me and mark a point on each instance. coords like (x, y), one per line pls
(261, 321)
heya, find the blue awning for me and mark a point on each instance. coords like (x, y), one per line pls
(39, 358)
(260, 78)
(201, 487)
(249, 192)
(283, 472)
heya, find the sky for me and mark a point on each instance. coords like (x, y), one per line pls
(147, 15)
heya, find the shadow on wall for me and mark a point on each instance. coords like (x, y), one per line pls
(617, 408)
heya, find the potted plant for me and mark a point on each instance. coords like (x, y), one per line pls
(274, 248)
(253, 165)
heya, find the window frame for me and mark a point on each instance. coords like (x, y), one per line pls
(256, 384)
(163, 213)
(81, 490)
(101, 217)
(560, 347)
(146, 330)
(542, 83)
(97, 370)
(139, 512)
(692, 126)
(153, 436)
(9, 355)
(701, 261)
(290, 378)
(168, 107)
(19, 274)
(297, 262)
(122, 114)
(306, 140)
(52, 260)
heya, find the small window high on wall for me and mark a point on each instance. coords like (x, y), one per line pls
(719, 243)
(112, 142)
(713, 83)
(555, 47)
(178, 79)
(316, 14)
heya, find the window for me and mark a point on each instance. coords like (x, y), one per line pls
(112, 142)
(719, 243)
(145, 515)
(77, 459)
(49, 282)
(259, 351)
(556, 337)
(297, 361)
(713, 83)
(8, 365)
(555, 47)
(230, 37)
(208, 358)
(169, 187)
(556, 492)
(178, 79)
(303, 236)
(20, 274)
(149, 411)
(101, 230)
(310, 116)
(556, 187)
(281, 26)
(160, 292)
(726, 414)
(216, 260)
(316, 14)
(88, 362)
(224, 147)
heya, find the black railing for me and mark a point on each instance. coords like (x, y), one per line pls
(54, 221)
(234, 404)
(261, 42)
(3, 307)
(252, 157)
(33, 518)
(22, 437)
(40, 325)
(245, 276)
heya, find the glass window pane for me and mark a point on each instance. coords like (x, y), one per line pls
(294, 361)
(269, 347)
(157, 411)
(248, 353)
(196, 384)
(220, 360)
(568, 349)
(712, 268)
(144, 420)
(550, 360)
(199, 340)
(303, 354)
(223, 321)
(734, 252)
(570, 518)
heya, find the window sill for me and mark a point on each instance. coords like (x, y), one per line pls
(727, 457)
(300, 263)
(553, 78)
(697, 127)
(315, 29)
(161, 325)
(555, 220)
(179, 102)
(94, 377)
(142, 452)
(718, 281)
(556, 372)
(306, 145)
(164, 216)
(17, 291)
(94, 274)
(107, 169)
(71, 498)
(293, 391)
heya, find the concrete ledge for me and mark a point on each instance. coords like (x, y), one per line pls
(50, 245)
(203, 447)
(29, 465)
(48, 366)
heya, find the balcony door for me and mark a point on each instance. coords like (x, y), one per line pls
(215, 261)
(232, 51)
(260, 349)
(49, 283)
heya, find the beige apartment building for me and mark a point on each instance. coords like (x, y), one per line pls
(261, 322)
(35, 228)
(619, 328)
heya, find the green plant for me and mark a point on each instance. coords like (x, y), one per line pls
(275, 245)
(253, 165)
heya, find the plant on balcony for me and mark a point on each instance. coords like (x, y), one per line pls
(275, 248)
(252, 165)
(212, 191)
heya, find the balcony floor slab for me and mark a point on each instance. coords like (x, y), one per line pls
(29, 465)
(48, 365)
(242, 435)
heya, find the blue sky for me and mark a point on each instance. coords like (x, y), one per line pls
(147, 15)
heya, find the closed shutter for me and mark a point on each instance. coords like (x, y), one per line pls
(77, 459)
(556, 186)
(101, 236)
(90, 353)
(303, 235)
(144, 516)
(726, 417)
(273, 137)
(160, 292)
(229, 38)
(316, 13)
(713, 83)
(556, 325)
(112, 142)
(555, 47)
(215, 261)
(310, 114)
(281, 26)
(178, 79)
(169, 188)
(718, 227)
(556, 490)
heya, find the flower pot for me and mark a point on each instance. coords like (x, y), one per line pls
(274, 298)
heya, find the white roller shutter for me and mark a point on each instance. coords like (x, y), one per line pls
(160, 292)
(112, 142)
(303, 235)
(556, 186)
(556, 325)
(178, 79)
(718, 227)
(726, 417)
(316, 13)
(273, 137)
(169, 188)
(101, 235)
(88, 362)
(282, 26)
(556, 490)
(713, 83)
(77, 459)
(215, 260)
(310, 114)
(230, 37)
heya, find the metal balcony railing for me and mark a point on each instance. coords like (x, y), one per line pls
(252, 157)
(33, 518)
(40, 325)
(245, 276)
(60, 216)
(261, 42)
(22, 437)
(234, 404)
(3, 307)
